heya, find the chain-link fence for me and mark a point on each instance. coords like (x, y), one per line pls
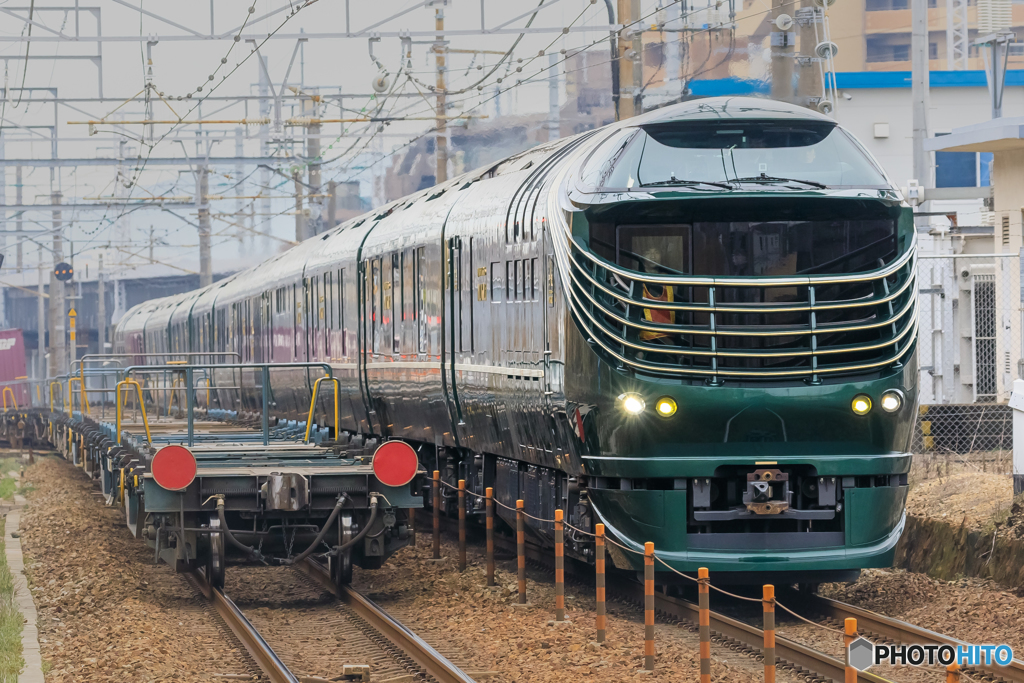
(970, 352)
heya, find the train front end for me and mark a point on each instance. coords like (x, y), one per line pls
(741, 364)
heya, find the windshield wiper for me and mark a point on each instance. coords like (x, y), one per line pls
(773, 179)
(676, 181)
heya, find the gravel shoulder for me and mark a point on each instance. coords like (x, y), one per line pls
(975, 490)
(973, 610)
(106, 613)
(455, 612)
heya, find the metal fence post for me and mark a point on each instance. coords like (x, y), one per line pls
(704, 623)
(649, 606)
(559, 566)
(521, 550)
(768, 598)
(490, 536)
(601, 620)
(849, 635)
(462, 525)
(437, 515)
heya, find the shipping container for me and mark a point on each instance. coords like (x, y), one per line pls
(12, 366)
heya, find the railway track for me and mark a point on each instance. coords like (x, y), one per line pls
(880, 627)
(801, 658)
(369, 635)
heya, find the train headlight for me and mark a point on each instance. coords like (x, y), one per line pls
(892, 401)
(861, 404)
(632, 403)
(666, 406)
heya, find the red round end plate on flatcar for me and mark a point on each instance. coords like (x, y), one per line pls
(395, 463)
(174, 467)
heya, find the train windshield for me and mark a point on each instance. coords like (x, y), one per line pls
(753, 248)
(728, 155)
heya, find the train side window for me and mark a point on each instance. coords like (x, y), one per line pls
(396, 299)
(510, 281)
(551, 281)
(496, 282)
(534, 280)
(421, 299)
(341, 312)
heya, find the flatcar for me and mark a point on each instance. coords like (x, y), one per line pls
(697, 327)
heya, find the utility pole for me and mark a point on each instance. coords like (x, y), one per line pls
(309, 108)
(300, 223)
(101, 308)
(332, 204)
(553, 113)
(203, 206)
(808, 78)
(151, 259)
(265, 111)
(17, 226)
(58, 344)
(783, 52)
(919, 89)
(441, 139)
(40, 319)
(239, 189)
(630, 59)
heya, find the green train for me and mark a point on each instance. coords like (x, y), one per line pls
(697, 327)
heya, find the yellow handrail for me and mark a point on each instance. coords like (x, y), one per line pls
(51, 393)
(83, 400)
(142, 407)
(312, 405)
(13, 398)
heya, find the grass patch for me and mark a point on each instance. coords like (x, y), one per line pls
(8, 486)
(11, 623)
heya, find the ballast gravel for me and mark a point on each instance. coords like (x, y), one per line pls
(453, 610)
(973, 610)
(106, 612)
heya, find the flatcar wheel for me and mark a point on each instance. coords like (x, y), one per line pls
(215, 560)
(341, 564)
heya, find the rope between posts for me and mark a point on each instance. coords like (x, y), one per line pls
(612, 541)
(812, 623)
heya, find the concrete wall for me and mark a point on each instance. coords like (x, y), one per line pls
(951, 107)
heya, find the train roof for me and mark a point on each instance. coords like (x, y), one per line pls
(727, 109)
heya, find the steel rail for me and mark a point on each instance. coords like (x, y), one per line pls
(432, 661)
(787, 651)
(246, 633)
(882, 626)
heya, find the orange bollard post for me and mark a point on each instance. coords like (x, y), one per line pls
(462, 525)
(850, 635)
(953, 673)
(559, 566)
(768, 598)
(521, 550)
(602, 620)
(437, 515)
(704, 623)
(490, 536)
(649, 606)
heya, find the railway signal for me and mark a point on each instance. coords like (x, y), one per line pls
(63, 271)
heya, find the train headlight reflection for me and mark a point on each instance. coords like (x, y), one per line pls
(892, 401)
(861, 404)
(633, 404)
(666, 406)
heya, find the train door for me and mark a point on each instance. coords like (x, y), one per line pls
(392, 303)
(454, 333)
